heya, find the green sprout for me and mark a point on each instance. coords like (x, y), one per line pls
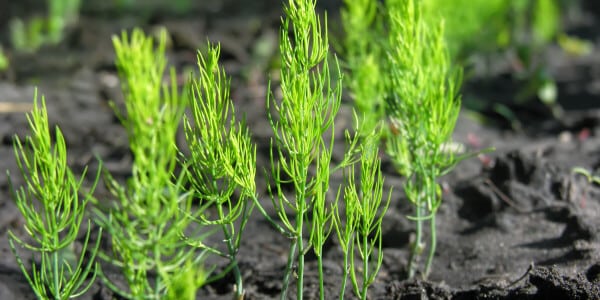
(29, 35)
(308, 106)
(54, 224)
(591, 177)
(223, 158)
(363, 46)
(423, 109)
(183, 284)
(360, 229)
(150, 218)
(470, 25)
(4, 61)
(61, 13)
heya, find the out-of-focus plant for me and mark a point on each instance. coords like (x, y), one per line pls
(592, 177)
(54, 222)
(470, 25)
(359, 226)
(152, 213)
(184, 284)
(423, 109)
(363, 54)
(61, 13)
(29, 35)
(222, 160)
(4, 61)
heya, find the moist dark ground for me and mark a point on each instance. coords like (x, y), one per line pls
(515, 224)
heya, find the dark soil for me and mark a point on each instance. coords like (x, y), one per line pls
(516, 223)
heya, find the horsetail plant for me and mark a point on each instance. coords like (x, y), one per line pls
(308, 106)
(222, 160)
(55, 223)
(359, 227)
(363, 48)
(152, 213)
(423, 109)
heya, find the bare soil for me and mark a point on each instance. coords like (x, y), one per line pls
(516, 223)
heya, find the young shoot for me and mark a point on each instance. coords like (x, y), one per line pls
(222, 160)
(151, 213)
(363, 49)
(53, 209)
(304, 114)
(358, 227)
(423, 108)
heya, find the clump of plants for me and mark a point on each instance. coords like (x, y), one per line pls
(363, 48)
(222, 161)
(29, 35)
(358, 223)
(153, 209)
(53, 205)
(306, 111)
(162, 215)
(174, 201)
(423, 108)
(301, 157)
(420, 87)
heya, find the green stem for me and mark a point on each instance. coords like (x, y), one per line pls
(431, 247)
(56, 291)
(54, 249)
(239, 287)
(300, 249)
(288, 269)
(321, 277)
(365, 283)
(416, 247)
(344, 276)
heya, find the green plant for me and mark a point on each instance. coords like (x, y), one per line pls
(423, 108)
(148, 223)
(306, 112)
(55, 220)
(359, 227)
(31, 34)
(61, 13)
(470, 25)
(183, 284)
(363, 51)
(4, 61)
(222, 160)
(27, 37)
(591, 177)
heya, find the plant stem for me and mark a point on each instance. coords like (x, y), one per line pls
(365, 283)
(288, 269)
(239, 287)
(321, 278)
(56, 290)
(416, 247)
(432, 246)
(344, 276)
(300, 248)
